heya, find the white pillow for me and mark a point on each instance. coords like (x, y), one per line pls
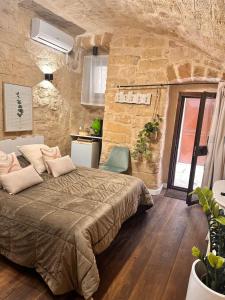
(49, 154)
(8, 163)
(33, 154)
(60, 166)
(18, 181)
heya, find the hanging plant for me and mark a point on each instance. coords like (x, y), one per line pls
(146, 137)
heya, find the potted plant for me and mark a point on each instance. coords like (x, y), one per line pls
(207, 278)
(96, 127)
(146, 137)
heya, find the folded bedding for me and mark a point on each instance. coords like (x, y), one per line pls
(59, 225)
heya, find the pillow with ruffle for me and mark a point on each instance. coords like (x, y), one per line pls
(8, 163)
(50, 154)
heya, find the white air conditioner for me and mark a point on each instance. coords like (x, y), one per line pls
(51, 36)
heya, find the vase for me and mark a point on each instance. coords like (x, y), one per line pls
(197, 290)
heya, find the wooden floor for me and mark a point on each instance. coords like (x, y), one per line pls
(149, 260)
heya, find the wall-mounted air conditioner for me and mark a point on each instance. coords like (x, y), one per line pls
(51, 36)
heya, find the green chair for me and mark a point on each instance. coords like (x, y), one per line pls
(118, 160)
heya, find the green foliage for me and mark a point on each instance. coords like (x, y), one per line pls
(146, 137)
(196, 252)
(96, 126)
(214, 262)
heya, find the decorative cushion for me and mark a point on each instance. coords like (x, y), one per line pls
(8, 163)
(50, 154)
(61, 166)
(33, 154)
(18, 181)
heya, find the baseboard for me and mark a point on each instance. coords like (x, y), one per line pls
(155, 192)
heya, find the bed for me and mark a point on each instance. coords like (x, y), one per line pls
(58, 226)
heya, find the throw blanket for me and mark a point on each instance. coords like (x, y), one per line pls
(58, 226)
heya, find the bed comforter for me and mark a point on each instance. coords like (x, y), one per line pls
(58, 226)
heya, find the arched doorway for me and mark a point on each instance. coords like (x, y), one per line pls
(188, 122)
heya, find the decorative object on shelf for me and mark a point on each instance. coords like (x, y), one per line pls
(147, 136)
(96, 126)
(207, 279)
(133, 98)
(84, 131)
(17, 108)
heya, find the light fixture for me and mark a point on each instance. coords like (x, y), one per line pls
(49, 76)
(95, 50)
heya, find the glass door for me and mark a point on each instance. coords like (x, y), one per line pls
(189, 149)
(206, 110)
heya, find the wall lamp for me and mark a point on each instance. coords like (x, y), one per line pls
(49, 76)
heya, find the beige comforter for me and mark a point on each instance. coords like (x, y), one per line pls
(58, 226)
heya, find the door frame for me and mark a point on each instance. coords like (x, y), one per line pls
(175, 144)
(176, 137)
(196, 154)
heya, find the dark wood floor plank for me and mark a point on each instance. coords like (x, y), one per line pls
(195, 232)
(155, 275)
(150, 259)
(120, 287)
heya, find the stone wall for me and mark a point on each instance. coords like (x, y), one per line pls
(137, 57)
(56, 107)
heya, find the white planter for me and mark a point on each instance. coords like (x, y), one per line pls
(198, 290)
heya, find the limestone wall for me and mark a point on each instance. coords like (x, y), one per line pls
(137, 57)
(56, 107)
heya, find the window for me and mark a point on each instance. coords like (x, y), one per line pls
(94, 80)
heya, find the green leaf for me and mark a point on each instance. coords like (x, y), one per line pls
(216, 210)
(220, 219)
(196, 252)
(220, 262)
(206, 208)
(216, 262)
(212, 260)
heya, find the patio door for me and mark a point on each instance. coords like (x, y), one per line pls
(189, 149)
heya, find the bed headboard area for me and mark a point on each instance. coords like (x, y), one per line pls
(9, 145)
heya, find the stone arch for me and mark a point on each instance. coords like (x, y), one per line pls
(187, 72)
(191, 71)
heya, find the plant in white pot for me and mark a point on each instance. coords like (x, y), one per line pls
(207, 278)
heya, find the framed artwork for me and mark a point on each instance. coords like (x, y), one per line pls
(18, 114)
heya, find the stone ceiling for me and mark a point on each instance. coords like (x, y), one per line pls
(198, 22)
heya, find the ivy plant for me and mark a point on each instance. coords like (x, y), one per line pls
(146, 137)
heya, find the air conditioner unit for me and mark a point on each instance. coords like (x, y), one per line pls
(51, 36)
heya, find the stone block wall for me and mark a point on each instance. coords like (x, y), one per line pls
(56, 107)
(138, 57)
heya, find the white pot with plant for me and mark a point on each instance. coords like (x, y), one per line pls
(207, 278)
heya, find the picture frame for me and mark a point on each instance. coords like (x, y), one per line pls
(17, 107)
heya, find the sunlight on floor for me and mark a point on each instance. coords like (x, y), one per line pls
(182, 175)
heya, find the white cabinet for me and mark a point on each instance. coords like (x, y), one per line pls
(85, 153)
(94, 80)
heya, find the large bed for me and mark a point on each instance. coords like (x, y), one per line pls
(58, 226)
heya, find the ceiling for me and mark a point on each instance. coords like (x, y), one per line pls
(199, 22)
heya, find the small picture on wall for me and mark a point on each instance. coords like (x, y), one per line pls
(17, 107)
